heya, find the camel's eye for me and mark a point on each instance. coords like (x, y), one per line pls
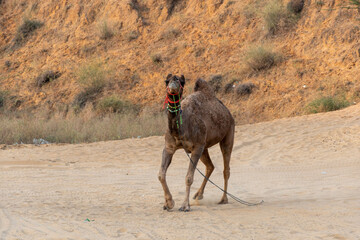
(167, 82)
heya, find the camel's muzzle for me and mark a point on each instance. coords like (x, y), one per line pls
(173, 88)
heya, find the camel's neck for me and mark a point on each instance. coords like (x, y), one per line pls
(174, 113)
(174, 122)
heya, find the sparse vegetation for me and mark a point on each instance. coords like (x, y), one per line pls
(114, 104)
(132, 35)
(7, 64)
(3, 95)
(25, 30)
(244, 89)
(46, 77)
(156, 58)
(105, 31)
(326, 104)
(93, 78)
(229, 87)
(216, 82)
(260, 58)
(319, 3)
(277, 17)
(170, 4)
(170, 33)
(134, 5)
(295, 6)
(353, 4)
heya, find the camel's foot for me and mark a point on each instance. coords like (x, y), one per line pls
(198, 195)
(185, 207)
(169, 204)
(224, 200)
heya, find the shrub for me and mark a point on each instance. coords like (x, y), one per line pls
(276, 17)
(106, 32)
(25, 29)
(260, 58)
(245, 89)
(132, 35)
(93, 75)
(228, 88)
(46, 77)
(216, 82)
(114, 104)
(3, 95)
(170, 33)
(93, 78)
(7, 64)
(295, 6)
(156, 58)
(320, 3)
(326, 104)
(134, 5)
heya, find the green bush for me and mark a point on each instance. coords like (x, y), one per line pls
(92, 78)
(259, 58)
(25, 30)
(114, 104)
(327, 104)
(93, 75)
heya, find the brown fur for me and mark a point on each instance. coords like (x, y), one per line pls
(206, 122)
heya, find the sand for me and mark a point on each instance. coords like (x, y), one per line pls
(306, 169)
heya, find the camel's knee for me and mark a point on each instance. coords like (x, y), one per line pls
(226, 173)
(189, 180)
(161, 177)
(210, 168)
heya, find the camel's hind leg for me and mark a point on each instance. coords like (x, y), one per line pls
(205, 158)
(226, 146)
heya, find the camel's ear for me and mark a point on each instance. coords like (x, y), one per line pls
(182, 80)
(167, 78)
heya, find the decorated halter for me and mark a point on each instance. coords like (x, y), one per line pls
(173, 105)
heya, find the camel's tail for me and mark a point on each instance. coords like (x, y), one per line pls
(203, 86)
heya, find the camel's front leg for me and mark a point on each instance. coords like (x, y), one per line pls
(195, 156)
(166, 160)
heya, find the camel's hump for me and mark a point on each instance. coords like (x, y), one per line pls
(204, 87)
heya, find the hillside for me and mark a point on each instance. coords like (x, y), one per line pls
(318, 53)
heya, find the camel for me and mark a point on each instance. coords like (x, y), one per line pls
(195, 124)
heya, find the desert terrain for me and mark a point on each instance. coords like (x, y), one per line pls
(306, 169)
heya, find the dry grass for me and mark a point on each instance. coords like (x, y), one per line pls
(26, 28)
(277, 17)
(3, 96)
(78, 128)
(260, 58)
(157, 58)
(46, 77)
(105, 31)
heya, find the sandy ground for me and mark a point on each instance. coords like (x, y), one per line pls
(306, 169)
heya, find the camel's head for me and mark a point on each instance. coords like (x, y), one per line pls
(175, 84)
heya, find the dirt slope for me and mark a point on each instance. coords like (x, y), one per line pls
(306, 169)
(320, 54)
